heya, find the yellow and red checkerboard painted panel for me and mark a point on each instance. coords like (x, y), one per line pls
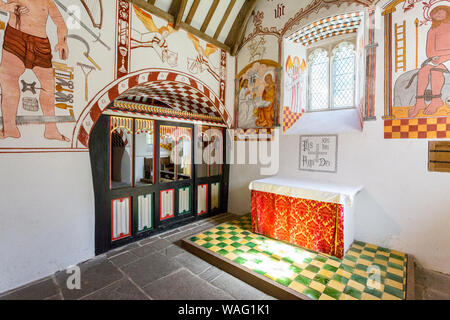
(423, 128)
(289, 118)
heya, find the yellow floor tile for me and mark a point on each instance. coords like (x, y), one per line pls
(215, 249)
(387, 296)
(346, 297)
(230, 248)
(326, 273)
(356, 285)
(366, 296)
(317, 263)
(336, 285)
(361, 273)
(297, 286)
(396, 272)
(317, 286)
(308, 274)
(368, 253)
(326, 297)
(334, 263)
(394, 284)
(365, 262)
(344, 273)
(398, 253)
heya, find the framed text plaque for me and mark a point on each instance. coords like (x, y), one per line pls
(318, 153)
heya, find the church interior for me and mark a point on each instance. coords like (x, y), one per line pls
(225, 150)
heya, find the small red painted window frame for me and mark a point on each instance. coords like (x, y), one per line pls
(173, 204)
(112, 220)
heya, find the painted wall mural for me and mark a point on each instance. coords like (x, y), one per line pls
(62, 63)
(295, 91)
(50, 56)
(273, 29)
(417, 79)
(258, 90)
(154, 39)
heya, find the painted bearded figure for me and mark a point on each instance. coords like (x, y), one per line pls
(438, 63)
(26, 46)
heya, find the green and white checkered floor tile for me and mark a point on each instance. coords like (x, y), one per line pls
(367, 272)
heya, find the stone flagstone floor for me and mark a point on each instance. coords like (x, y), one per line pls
(158, 268)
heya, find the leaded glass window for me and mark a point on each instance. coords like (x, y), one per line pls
(343, 75)
(332, 81)
(318, 80)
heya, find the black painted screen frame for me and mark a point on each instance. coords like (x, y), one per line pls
(99, 149)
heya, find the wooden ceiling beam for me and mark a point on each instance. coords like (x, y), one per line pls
(208, 18)
(237, 31)
(177, 9)
(204, 36)
(224, 18)
(183, 25)
(192, 12)
(153, 10)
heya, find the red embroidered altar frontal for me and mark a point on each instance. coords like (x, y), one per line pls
(318, 226)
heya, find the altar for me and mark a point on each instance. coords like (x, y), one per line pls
(316, 215)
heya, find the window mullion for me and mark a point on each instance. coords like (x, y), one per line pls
(330, 79)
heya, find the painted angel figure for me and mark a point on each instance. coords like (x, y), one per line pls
(202, 63)
(294, 84)
(159, 40)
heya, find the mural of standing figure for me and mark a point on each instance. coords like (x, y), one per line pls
(26, 46)
(438, 63)
(265, 113)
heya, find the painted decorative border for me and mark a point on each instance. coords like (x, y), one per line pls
(105, 97)
(424, 128)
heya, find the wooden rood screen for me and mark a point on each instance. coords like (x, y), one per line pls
(439, 156)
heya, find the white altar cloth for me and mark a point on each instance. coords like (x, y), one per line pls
(322, 191)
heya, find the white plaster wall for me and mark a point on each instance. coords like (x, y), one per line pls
(46, 215)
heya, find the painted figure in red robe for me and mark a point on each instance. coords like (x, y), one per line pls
(438, 63)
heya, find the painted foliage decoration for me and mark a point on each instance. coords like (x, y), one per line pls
(417, 77)
(258, 90)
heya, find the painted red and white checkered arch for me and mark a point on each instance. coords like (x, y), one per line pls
(168, 83)
(177, 96)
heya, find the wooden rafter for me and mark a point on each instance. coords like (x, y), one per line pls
(224, 18)
(208, 18)
(153, 9)
(237, 31)
(192, 12)
(177, 9)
